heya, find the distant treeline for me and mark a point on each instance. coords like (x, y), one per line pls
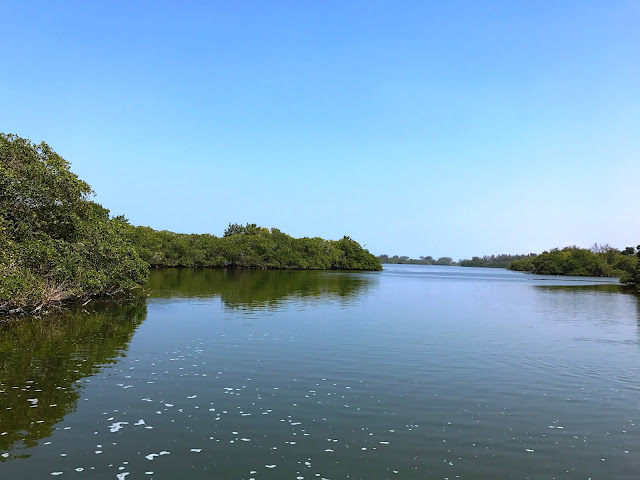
(57, 244)
(599, 261)
(494, 261)
(490, 261)
(396, 260)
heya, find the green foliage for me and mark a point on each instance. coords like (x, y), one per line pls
(599, 261)
(632, 274)
(494, 261)
(628, 251)
(250, 246)
(55, 243)
(444, 261)
(248, 229)
(404, 260)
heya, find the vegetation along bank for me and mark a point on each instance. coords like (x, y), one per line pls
(599, 261)
(57, 244)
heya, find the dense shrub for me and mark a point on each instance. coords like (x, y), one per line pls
(55, 243)
(600, 261)
(250, 246)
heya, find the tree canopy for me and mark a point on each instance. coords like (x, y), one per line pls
(55, 242)
(250, 246)
(632, 277)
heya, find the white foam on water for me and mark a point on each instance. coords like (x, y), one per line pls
(117, 426)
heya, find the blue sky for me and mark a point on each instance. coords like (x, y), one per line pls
(417, 128)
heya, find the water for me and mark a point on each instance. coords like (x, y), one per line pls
(413, 372)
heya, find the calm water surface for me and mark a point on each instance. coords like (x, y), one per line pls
(413, 372)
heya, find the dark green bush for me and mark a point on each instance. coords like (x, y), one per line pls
(597, 262)
(250, 247)
(55, 243)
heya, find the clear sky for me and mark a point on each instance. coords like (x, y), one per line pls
(417, 128)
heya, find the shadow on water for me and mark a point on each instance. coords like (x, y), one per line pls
(578, 289)
(259, 289)
(43, 359)
(638, 317)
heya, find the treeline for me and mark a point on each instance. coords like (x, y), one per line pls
(56, 243)
(490, 261)
(494, 261)
(599, 261)
(404, 260)
(250, 246)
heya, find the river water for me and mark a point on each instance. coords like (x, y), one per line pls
(409, 373)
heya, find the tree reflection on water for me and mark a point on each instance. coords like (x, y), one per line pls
(43, 360)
